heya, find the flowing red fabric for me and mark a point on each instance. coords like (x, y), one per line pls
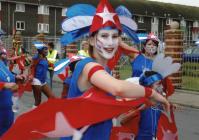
(93, 107)
(167, 129)
(168, 85)
(122, 133)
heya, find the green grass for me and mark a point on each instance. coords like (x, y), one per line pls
(190, 78)
(190, 83)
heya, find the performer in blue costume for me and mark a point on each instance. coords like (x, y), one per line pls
(143, 61)
(38, 73)
(8, 86)
(93, 72)
(154, 79)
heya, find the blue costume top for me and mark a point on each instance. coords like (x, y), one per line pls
(41, 69)
(150, 116)
(100, 131)
(5, 94)
(140, 64)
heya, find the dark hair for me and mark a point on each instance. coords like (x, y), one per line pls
(72, 65)
(51, 44)
(156, 43)
(149, 73)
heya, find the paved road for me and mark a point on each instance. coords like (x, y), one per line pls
(187, 118)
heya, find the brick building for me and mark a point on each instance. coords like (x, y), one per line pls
(34, 16)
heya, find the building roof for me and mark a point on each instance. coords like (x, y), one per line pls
(138, 7)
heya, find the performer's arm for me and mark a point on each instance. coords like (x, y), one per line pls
(106, 82)
(12, 86)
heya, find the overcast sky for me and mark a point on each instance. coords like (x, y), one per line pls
(183, 2)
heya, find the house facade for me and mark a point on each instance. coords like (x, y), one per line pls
(35, 16)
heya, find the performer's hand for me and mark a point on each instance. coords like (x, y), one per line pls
(12, 86)
(159, 98)
(30, 77)
(21, 77)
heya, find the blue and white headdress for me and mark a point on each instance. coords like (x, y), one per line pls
(39, 45)
(162, 66)
(80, 18)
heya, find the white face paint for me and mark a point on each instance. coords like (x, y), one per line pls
(150, 47)
(158, 87)
(107, 42)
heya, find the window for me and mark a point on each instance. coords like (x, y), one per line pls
(20, 7)
(43, 9)
(64, 12)
(168, 21)
(154, 20)
(195, 24)
(43, 28)
(20, 25)
(183, 23)
(141, 19)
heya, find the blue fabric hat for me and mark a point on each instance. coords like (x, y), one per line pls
(80, 17)
(39, 45)
(148, 81)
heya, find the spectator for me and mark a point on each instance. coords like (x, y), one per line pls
(52, 57)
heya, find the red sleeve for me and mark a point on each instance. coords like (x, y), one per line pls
(168, 87)
(1, 85)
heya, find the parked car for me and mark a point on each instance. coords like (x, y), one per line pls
(191, 55)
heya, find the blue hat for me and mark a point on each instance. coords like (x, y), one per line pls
(148, 81)
(80, 18)
(39, 45)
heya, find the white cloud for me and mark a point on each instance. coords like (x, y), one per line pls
(182, 2)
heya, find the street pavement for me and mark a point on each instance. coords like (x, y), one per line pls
(186, 117)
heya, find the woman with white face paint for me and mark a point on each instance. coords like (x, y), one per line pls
(93, 71)
(143, 61)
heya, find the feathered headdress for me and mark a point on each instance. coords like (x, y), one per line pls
(83, 19)
(163, 66)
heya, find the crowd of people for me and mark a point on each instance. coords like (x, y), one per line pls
(101, 53)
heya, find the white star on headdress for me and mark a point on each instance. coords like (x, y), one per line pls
(106, 15)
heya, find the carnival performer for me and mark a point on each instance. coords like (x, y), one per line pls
(38, 73)
(155, 78)
(17, 58)
(7, 88)
(144, 61)
(105, 32)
